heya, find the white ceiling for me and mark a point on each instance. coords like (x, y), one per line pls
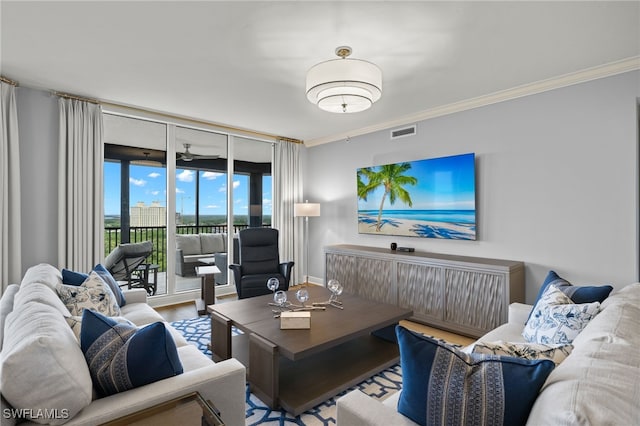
(243, 63)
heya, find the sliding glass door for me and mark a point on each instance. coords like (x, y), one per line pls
(190, 191)
(201, 221)
(135, 190)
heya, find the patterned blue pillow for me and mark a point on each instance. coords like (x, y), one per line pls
(123, 357)
(578, 294)
(108, 278)
(70, 277)
(442, 385)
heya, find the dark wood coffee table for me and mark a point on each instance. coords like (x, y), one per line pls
(298, 369)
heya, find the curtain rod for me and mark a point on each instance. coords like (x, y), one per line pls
(208, 123)
(75, 98)
(8, 81)
(286, 139)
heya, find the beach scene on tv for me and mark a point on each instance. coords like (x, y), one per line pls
(431, 198)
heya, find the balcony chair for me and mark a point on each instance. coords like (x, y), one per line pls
(259, 261)
(127, 265)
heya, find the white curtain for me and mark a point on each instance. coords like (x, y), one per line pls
(80, 193)
(287, 190)
(10, 250)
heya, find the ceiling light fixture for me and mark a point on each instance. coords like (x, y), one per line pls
(344, 85)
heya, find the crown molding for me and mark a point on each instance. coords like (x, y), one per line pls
(594, 73)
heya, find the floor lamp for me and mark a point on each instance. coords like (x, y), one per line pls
(306, 210)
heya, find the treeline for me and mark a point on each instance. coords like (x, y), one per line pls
(114, 221)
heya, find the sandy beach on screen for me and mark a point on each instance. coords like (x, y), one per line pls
(407, 227)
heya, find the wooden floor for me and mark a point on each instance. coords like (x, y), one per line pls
(188, 310)
(178, 312)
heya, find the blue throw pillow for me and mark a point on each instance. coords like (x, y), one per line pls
(77, 278)
(111, 282)
(578, 294)
(442, 385)
(122, 357)
(73, 278)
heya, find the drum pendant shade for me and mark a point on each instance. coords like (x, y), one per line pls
(344, 85)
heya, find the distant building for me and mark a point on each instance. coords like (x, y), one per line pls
(153, 215)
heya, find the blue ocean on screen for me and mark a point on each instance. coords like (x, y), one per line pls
(448, 216)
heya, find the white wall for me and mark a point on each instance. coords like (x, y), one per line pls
(557, 182)
(38, 128)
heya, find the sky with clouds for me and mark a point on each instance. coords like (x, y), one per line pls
(148, 184)
(445, 183)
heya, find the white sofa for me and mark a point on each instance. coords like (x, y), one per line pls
(597, 384)
(222, 383)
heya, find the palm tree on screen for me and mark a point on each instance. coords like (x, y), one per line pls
(392, 178)
(363, 188)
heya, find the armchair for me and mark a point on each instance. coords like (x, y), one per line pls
(259, 261)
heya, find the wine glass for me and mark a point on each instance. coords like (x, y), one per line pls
(273, 284)
(280, 298)
(302, 295)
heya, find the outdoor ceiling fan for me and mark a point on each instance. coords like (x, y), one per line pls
(189, 156)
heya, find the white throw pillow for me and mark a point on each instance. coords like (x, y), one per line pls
(556, 353)
(94, 294)
(43, 369)
(40, 293)
(212, 243)
(42, 273)
(556, 319)
(189, 244)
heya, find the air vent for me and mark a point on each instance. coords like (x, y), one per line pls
(401, 133)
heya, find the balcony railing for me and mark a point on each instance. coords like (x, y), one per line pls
(158, 236)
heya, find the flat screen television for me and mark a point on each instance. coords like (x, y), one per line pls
(430, 198)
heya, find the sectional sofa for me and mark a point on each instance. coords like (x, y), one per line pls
(598, 383)
(192, 247)
(42, 366)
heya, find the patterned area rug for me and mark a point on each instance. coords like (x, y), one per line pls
(197, 332)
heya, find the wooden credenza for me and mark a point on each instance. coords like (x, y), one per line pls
(466, 295)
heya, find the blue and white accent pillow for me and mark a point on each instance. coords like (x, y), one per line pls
(122, 357)
(77, 278)
(555, 319)
(111, 282)
(94, 294)
(577, 294)
(442, 385)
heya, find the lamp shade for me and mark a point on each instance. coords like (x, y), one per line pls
(306, 209)
(344, 85)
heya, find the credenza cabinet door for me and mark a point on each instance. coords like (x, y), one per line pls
(420, 288)
(365, 277)
(342, 268)
(475, 299)
(374, 280)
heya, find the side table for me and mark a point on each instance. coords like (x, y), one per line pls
(187, 410)
(142, 276)
(207, 287)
